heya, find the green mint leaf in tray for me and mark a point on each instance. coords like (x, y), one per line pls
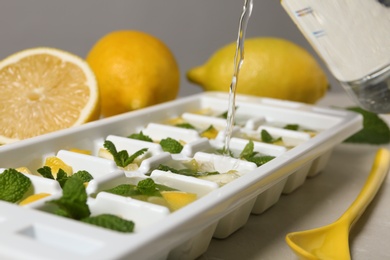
(111, 222)
(140, 136)
(171, 145)
(73, 200)
(122, 158)
(13, 185)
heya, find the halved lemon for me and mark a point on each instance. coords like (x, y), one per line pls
(43, 90)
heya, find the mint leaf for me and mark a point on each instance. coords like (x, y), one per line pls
(293, 127)
(141, 136)
(185, 125)
(248, 150)
(260, 160)
(111, 222)
(135, 155)
(148, 187)
(186, 172)
(129, 190)
(13, 185)
(83, 175)
(126, 190)
(171, 145)
(267, 138)
(62, 177)
(45, 171)
(122, 158)
(73, 202)
(375, 130)
(166, 168)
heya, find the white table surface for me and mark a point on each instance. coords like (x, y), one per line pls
(320, 201)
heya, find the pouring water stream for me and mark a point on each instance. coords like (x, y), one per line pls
(238, 61)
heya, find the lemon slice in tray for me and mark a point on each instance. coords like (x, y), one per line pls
(43, 90)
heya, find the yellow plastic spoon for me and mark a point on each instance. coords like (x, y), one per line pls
(331, 242)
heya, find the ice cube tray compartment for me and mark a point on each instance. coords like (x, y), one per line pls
(143, 214)
(219, 211)
(41, 185)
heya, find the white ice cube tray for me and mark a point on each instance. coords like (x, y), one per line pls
(30, 232)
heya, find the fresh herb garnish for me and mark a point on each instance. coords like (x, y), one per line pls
(144, 187)
(73, 204)
(62, 177)
(122, 158)
(293, 127)
(111, 221)
(45, 171)
(83, 175)
(250, 155)
(260, 160)
(147, 187)
(266, 137)
(140, 136)
(185, 125)
(185, 171)
(171, 145)
(13, 185)
(375, 129)
(248, 150)
(126, 190)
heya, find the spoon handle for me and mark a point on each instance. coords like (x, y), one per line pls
(378, 172)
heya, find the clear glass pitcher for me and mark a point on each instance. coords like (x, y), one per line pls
(353, 39)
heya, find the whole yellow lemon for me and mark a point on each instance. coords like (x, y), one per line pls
(133, 70)
(272, 67)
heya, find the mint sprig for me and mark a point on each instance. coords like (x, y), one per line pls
(250, 155)
(73, 204)
(145, 187)
(62, 177)
(122, 158)
(126, 190)
(110, 221)
(140, 136)
(248, 150)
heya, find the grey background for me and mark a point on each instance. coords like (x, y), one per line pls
(193, 30)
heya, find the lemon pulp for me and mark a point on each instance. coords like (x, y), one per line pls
(43, 90)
